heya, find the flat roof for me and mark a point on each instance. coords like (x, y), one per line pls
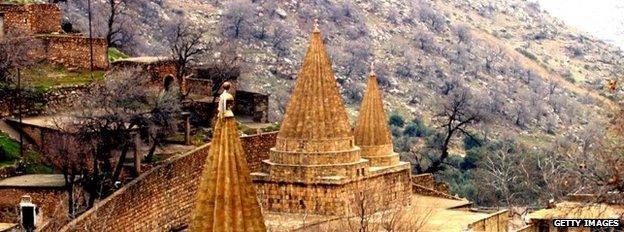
(441, 214)
(144, 59)
(444, 216)
(578, 210)
(7, 226)
(34, 180)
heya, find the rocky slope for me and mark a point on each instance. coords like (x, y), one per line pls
(538, 77)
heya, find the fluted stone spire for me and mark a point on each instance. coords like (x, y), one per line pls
(226, 199)
(316, 116)
(371, 132)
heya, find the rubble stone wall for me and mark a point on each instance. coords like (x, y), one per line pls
(252, 104)
(31, 18)
(73, 51)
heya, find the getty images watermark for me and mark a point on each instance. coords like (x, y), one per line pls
(586, 222)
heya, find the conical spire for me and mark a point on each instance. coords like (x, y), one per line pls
(316, 114)
(226, 199)
(371, 132)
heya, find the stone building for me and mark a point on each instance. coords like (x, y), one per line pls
(43, 22)
(29, 18)
(47, 191)
(316, 166)
(226, 198)
(161, 70)
(372, 134)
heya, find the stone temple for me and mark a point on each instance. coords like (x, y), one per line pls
(318, 165)
(226, 199)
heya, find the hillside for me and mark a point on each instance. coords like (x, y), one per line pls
(536, 76)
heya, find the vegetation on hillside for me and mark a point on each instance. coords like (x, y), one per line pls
(115, 54)
(9, 150)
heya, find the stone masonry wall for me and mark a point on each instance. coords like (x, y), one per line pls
(162, 199)
(379, 192)
(51, 202)
(252, 104)
(496, 222)
(156, 71)
(49, 102)
(72, 51)
(31, 18)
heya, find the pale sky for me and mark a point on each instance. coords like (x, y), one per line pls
(602, 18)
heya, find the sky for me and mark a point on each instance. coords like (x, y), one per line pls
(602, 18)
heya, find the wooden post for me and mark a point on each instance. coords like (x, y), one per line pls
(137, 156)
(187, 127)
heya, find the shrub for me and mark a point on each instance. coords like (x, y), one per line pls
(396, 120)
(526, 53)
(471, 142)
(473, 156)
(416, 129)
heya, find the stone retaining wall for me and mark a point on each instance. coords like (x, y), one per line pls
(73, 51)
(49, 102)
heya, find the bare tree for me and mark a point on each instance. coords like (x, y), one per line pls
(434, 20)
(282, 36)
(501, 173)
(404, 218)
(114, 23)
(463, 34)
(458, 111)
(110, 119)
(354, 58)
(185, 45)
(163, 120)
(425, 41)
(17, 50)
(66, 153)
(237, 20)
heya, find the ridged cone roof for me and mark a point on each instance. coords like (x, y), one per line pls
(315, 111)
(372, 126)
(226, 198)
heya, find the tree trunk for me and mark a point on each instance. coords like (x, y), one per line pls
(70, 200)
(92, 186)
(120, 164)
(150, 154)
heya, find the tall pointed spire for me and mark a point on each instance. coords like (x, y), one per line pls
(316, 114)
(226, 199)
(371, 132)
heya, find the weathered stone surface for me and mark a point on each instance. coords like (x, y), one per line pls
(316, 119)
(371, 132)
(43, 21)
(156, 68)
(226, 198)
(73, 51)
(315, 167)
(31, 18)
